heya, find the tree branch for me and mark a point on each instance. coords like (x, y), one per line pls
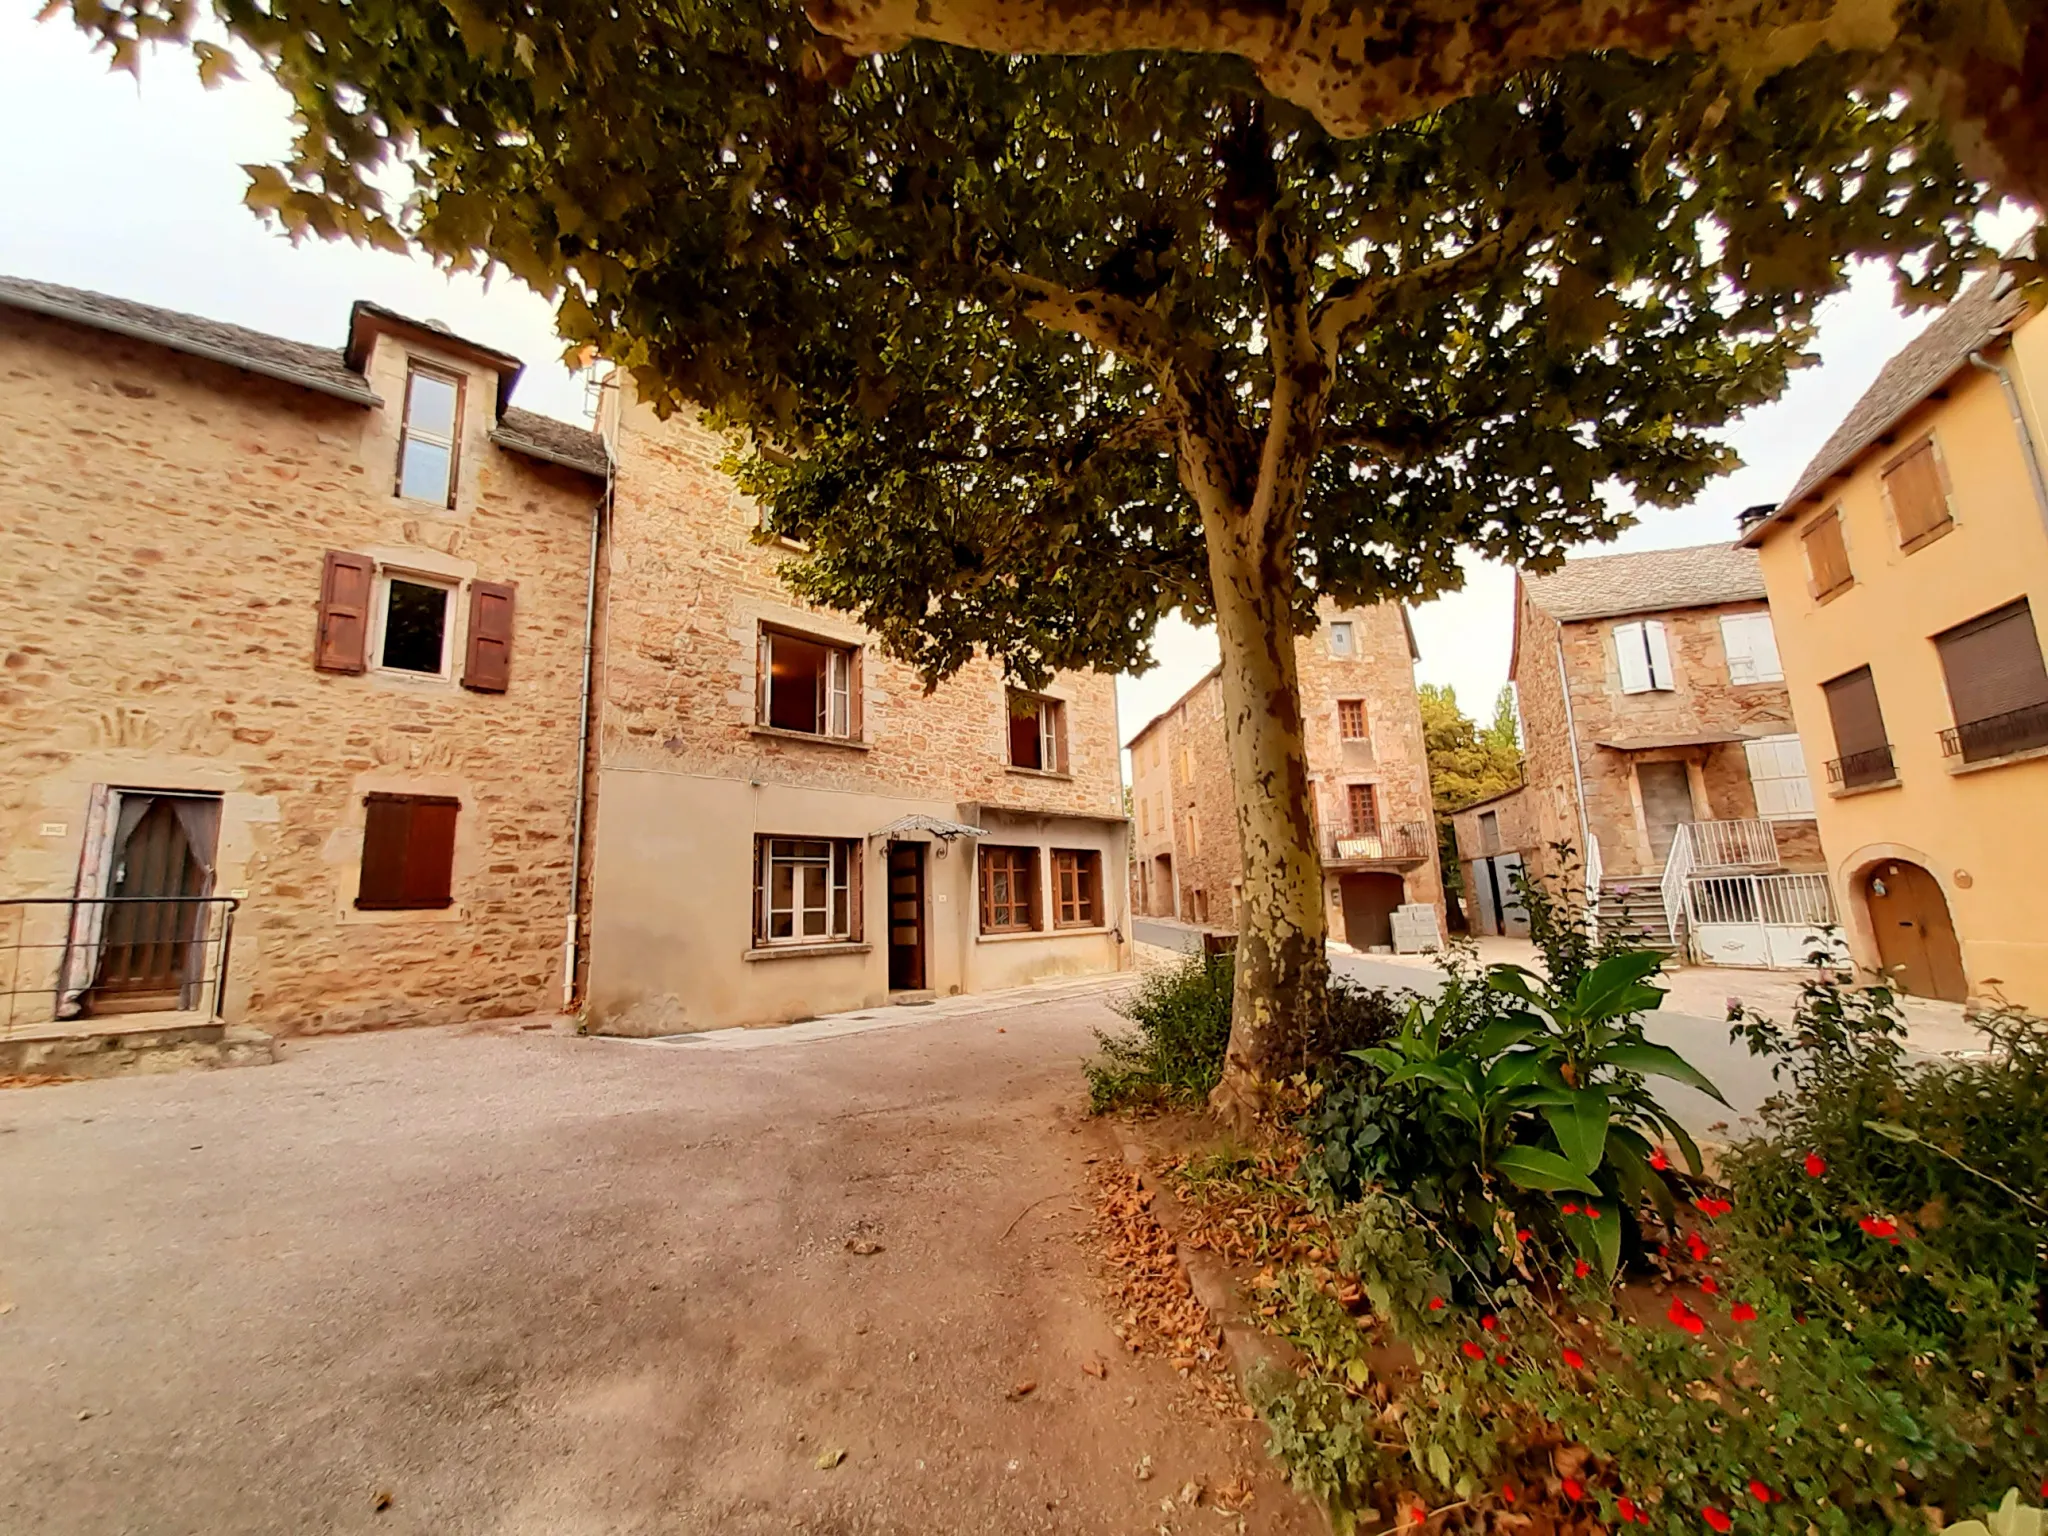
(1108, 321)
(1355, 301)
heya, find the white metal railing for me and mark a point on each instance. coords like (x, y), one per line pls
(1701, 845)
(1779, 901)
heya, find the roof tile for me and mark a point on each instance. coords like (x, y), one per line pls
(1652, 581)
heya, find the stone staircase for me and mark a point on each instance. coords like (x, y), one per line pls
(1636, 902)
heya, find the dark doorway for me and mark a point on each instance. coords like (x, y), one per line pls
(1369, 903)
(906, 917)
(1163, 903)
(150, 951)
(1916, 941)
(1667, 804)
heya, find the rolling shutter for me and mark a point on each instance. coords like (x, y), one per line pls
(1852, 706)
(487, 666)
(1993, 664)
(345, 586)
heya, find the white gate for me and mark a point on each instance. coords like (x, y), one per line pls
(1761, 920)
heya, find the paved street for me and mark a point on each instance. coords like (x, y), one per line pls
(529, 1283)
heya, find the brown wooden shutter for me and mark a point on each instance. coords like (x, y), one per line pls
(408, 852)
(1059, 734)
(1852, 706)
(386, 820)
(344, 636)
(988, 898)
(1993, 664)
(1915, 485)
(430, 853)
(760, 891)
(1827, 556)
(487, 665)
(855, 729)
(763, 671)
(856, 868)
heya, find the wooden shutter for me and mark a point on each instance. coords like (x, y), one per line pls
(346, 583)
(760, 891)
(1632, 657)
(1365, 819)
(386, 819)
(1916, 486)
(764, 671)
(1993, 664)
(1853, 708)
(487, 666)
(408, 852)
(856, 867)
(856, 726)
(430, 853)
(988, 897)
(1659, 653)
(1827, 556)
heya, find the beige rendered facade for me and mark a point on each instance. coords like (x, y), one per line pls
(1367, 770)
(1908, 574)
(787, 824)
(188, 676)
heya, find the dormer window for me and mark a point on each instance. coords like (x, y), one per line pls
(426, 443)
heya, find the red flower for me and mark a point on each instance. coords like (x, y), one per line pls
(1569, 1210)
(1710, 1285)
(1489, 1322)
(1574, 1489)
(1878, 1226)
(1697, 1247)
(2044, 1487)
(1626, 1508)
(1685, 1317)
(1574, 1359)
(1710, 1207)
(1473, 1351)
(1500, 1359)
(1507, 1493)
(1658, 1160)
(1760, 1491)
(1524, 1235)
(1592, 1214)
(1436, 1303)
(1581, 1269)
(1816, 1166)
(1718, 1519)
(1742, 1312)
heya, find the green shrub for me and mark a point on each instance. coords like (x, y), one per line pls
(1174, 1052)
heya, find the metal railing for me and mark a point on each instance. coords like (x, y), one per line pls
(2016, 730)
(1704, 845)
(1404, 842)
(1782, 901)
(1857, 769)
(69, 957)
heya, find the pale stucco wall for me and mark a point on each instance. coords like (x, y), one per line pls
(1982, 831)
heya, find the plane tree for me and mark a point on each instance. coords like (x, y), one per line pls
(1029, 352)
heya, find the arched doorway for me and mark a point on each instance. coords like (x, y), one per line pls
(1916, 941)
(1369, 902)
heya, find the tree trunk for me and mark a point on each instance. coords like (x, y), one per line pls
(1281, 993)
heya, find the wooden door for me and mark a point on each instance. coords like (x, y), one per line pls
(906, 917)
(1916, 941)
(1369, 902)
(147, 948)
(1667, 804)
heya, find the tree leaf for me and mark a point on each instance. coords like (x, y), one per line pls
(1611, 988)
(1647, 1059)
(1581, 1128)
(1539, 1168)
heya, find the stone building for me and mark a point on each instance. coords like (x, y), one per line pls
(1367, 769)
(1656, 725)
(314, 635)
(297, 625)
(1494, 838)
(787, 824)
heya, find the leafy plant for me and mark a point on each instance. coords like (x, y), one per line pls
(1174, 1054)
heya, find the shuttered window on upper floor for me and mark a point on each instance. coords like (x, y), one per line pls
(408, 852)
(1643, 652)
(1827, 556)
(1752, 648)
(427, 439)
(1916, 489)
(1997, 684)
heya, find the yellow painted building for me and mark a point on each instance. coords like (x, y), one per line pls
(1908, 582)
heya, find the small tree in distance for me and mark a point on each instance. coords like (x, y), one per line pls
(1035, 351)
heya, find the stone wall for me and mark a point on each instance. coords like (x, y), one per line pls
(166, 523)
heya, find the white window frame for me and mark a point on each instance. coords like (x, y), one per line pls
(1049, 735)
(1345, 629)
(1643, 652)
(409, 433)
(451, 590)
(1750, 642)
(1772, 762)
(836, 910)
(834, 702)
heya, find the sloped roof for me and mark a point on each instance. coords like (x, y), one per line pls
(1651, 581)
(331, 371)
(294, 362)
(1980, 313)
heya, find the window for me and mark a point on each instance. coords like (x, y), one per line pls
(1997, 686)
(1187, 764)
(1343, 643)
(1916, 487)
(806, 890)
(412, 632)
(1752, 648)
(1645, 657)
(1351, 719)
(1038, 733)
(1009, 890)
(1489, 831)
(1864, 755)
(1194, 835)
(1777, 775)
(807, 685)
(1827, 556)
(1145, 817)
(1076, 888)
(408, 852)
(1362, 806)
(426, 441)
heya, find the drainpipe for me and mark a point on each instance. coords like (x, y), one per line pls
(2019, 426)
(569, 947)
(1564, 684)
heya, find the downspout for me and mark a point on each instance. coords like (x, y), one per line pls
(570, 956)
(1571, 729)
(2019, 426)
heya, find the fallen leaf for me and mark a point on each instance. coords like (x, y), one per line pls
(827, 1460)
(864, 1246)
(1024, 1389)
(1097, 1367)
(380, 1500)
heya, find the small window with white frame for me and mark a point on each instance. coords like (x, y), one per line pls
(1037, 732)
(1643, 653)
(427, 437)
(415, 623)
(1751, 645)
(1343, 640)
(1777, 776)
(809, 685)
(806, 890)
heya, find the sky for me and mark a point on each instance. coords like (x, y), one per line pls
(134, 188)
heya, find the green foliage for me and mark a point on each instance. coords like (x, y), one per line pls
(1174, 1054)
(1466, 763)
(1326, 1439)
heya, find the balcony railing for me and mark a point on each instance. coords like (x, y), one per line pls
(1407, 842)
(1858, 769)
(1996, 735)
